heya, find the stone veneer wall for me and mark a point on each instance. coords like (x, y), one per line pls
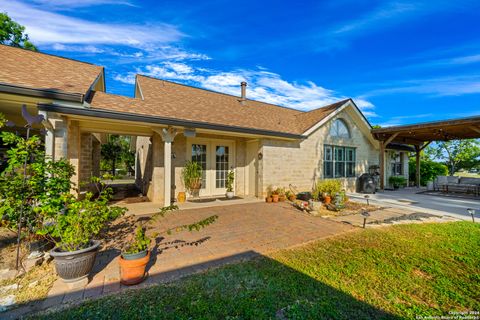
(301, 162)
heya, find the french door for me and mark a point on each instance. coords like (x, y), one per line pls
(216, 158)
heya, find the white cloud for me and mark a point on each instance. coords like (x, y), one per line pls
(47, 28)
(262, 85)
(77, 48)
(436, 87)
(386, 15)
(73, 4)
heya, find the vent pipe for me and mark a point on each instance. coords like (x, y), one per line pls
(243, 96)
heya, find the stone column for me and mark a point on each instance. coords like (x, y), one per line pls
(167, 136)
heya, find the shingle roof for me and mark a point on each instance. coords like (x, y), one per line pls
(34, 70)
(166, 99)
(172, 100)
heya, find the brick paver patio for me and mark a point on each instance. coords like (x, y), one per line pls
(241, 232)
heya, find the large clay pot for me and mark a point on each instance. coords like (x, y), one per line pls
(132, 271)
(275, 197)
(72, 266)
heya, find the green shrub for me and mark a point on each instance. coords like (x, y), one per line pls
(230, 180)
(429, 170)
(329, 187)
(74, 227)
(397, 181)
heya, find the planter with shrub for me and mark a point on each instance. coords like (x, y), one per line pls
(397, 182)
(230, 180)
(192, 177)
(134, 259)
(73, 230)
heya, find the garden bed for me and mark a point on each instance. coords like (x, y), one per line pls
(351, 208)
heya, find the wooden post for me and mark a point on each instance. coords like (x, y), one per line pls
(417, 168)
(382, 165)
(383, 145)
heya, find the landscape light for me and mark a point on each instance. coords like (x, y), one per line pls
(472, 213)
(367, 197)
(365, 215)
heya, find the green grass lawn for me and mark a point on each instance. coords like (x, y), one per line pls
(397, 272)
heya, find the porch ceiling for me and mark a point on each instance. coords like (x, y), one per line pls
(418, 134)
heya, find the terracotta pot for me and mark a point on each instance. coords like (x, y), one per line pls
(282, 198)
(275, 197)
(181, 197)
(327, 199)
(133, 271)
(292, 197)
(268, 199)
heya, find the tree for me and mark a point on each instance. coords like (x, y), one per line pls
(429, 170)
(118, 149)
(13, 34)
(457, 154)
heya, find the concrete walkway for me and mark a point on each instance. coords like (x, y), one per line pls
(410, 199)
(241, 232)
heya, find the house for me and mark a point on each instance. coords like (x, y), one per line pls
(264, 144)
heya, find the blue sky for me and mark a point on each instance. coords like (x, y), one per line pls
(401, 61)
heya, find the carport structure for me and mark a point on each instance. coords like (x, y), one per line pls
(422, 134)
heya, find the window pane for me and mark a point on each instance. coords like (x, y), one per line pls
(328, 169)
(350, 169)
(339, 129)
(339, 154)
(339, 169)
(328, 153)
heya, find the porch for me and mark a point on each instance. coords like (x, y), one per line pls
(160, 155)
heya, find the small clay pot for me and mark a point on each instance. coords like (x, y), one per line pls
(268, 199)
(181, 197)
(292, 198)
(275, 197)
(327, 199)
(133, 271)
(282, 198)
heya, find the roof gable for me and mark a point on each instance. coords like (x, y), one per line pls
(38, 71)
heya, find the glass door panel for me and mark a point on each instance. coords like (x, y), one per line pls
(199, 155)
(221, 166)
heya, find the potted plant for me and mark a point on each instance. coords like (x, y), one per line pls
(73, 230)
(136, 254)
(290, 195)
(275, 195)
(397, 181)
(134, 258)
(192, 177)
(268, 199)
(281, 194)
(230, 180)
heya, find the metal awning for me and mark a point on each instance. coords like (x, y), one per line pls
(418, 134)
(421, 135)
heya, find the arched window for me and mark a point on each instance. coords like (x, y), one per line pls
(339, 129)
